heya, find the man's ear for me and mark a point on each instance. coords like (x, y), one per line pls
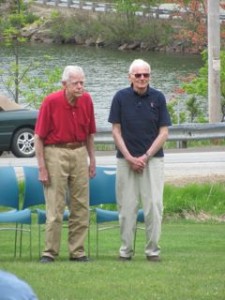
(129, 78)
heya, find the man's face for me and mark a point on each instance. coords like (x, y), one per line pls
(74, 86)
(140, 77)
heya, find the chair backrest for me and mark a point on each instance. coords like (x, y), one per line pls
(102, 186)
(9, 189)
(34, 192)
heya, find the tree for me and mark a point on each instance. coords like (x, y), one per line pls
(129, 9)
(199, 85)
(11, 25)
(16, 76)
(193, 32)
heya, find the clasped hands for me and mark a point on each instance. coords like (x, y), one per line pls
(138, 164)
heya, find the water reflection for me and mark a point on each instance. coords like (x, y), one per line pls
(106, 70)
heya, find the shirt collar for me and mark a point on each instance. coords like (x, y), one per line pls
(67, 104)
(143, 95)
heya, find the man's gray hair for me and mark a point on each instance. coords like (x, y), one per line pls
(139, 63)
(71, 70)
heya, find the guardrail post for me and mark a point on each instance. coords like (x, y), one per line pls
(108, 7)
(94, 5)
(181, 144)
(80, 4)
(69, 3)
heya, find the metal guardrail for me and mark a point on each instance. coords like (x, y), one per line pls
(163, 11)
(183, 132)
(79, 4)
(97, 7)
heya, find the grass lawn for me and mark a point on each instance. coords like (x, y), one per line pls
(192, 267)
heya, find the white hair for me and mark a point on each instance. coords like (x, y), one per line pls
(139, 63)
(70, 70)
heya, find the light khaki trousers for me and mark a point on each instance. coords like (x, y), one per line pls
(68, 170)
(132, 189)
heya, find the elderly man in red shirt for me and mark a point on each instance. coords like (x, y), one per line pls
(64, 138)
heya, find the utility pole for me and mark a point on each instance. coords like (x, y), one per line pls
(214, 93)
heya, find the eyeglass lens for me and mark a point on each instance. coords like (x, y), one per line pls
(138, 75)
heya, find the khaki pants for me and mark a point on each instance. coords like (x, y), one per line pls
(133, 188)
(68, 170)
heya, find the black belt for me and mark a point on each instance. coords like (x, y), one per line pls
(71, 146)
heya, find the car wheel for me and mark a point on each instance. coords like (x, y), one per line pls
(1, 152)
(23, 143)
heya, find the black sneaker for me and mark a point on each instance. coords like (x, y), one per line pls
(46, 259)
(153, 258)
(80, 259)
(123, 258)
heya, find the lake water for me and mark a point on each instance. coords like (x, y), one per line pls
(106, 70)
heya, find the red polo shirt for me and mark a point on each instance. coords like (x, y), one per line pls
(60, 122)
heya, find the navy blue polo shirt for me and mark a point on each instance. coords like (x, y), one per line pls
(140, 118)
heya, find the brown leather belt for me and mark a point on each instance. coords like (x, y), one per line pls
(71, 146)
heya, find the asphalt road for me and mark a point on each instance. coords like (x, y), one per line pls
(180, 165)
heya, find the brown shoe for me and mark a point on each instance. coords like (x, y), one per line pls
(153, 258)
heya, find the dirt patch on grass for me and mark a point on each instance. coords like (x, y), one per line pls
(196, 217)
(184, 180)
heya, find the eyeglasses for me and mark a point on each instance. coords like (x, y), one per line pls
(138, 75)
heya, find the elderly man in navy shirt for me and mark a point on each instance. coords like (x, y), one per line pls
(140, 121)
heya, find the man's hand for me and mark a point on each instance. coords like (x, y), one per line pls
(43, 176)
(92, 168)
(138, 164)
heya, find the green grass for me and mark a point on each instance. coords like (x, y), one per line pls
(193, 198)
(208, 197)
(192, 267)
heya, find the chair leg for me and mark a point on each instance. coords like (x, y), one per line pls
(135, 235)
(39, 239)
(30, 243)
(21, 239)
(15, 243)
(97, 240)
(89, 251)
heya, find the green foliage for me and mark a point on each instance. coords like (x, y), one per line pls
(177, 115)
(18, 81)
(11, 25)
(195, 143)
(194, 198)
(74, 28)
(193, 108)
(40, 86)
(199, 85)
(11, 28)
(128, 9)
(124, 27)
(189, 110)
(154, 32)
(171, 106)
